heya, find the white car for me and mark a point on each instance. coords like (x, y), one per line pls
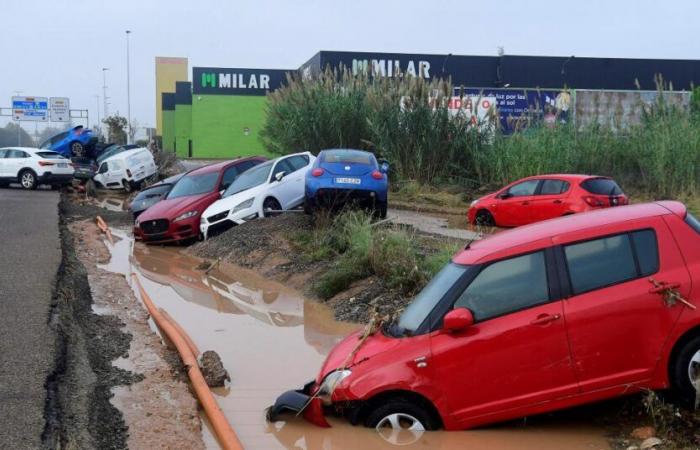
(31, 167)
(125, 169)
(270, 186)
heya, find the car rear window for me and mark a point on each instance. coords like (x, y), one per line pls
(347, 156)
(601, 186)
(693, 222)
(49, 155)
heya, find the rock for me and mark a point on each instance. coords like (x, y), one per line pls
(632, 447)
(213, 369)
(643, 433)
(650, 443)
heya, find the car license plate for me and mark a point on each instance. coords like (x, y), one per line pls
(348, 180)
(62, 165)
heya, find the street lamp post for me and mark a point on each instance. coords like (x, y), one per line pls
(104, 91)
(19, 126)
(128, 90)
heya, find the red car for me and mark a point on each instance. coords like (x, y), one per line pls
(551, 315)
(177, 216)
(545, 197)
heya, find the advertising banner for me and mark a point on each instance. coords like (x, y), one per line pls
(35, 109)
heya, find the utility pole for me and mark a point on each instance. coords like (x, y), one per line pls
(105, 112)
(128, 90)
(19, 126)
(99, 123)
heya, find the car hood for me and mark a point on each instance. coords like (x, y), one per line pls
(171, 208)
(374, 345)
(228, 203)
(351, 169)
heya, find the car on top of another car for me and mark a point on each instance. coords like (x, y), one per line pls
(544, 197)
(78, 141)
(177, 216)
(272, 186)
(341, 176)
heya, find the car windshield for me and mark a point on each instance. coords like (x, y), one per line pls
(347, 156)
(50, 155)
(194, 184)
(249, 179)
(601, 186)
(422, 305)
(108, 152)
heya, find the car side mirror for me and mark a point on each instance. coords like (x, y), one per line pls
(384, 168)
(221, 192)
(279, 176)
(504, 195)
(458, 319)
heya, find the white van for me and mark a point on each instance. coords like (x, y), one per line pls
(125, 170)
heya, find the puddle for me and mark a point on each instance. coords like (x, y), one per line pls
(110, 203)
(271, 339)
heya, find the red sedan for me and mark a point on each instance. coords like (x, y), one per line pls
(176, 218)
(548, 316)
(545, 197)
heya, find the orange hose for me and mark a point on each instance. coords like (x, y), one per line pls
(102, 225)
(183, 333)
(222, 429)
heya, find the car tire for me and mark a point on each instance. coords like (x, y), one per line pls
(77, 149)
(27, 179)
(127, 186)
(308, 209)
(485, 219)
(402, 412)
(380, 210)
(685, 373)
(270, 204)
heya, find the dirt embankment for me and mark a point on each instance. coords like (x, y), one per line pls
(115, 384)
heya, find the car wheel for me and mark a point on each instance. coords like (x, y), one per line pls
(380, 210)
(27, 179)
(270, 204)
(685, 373)
(308, 209)
(77, 149)
(398, 414)
(127, 186)
(484, 219)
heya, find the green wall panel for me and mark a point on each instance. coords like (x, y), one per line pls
(168, 130)
(183, 129)
(219, 123)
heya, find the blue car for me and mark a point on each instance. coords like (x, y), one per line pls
(77, 141)
(342, 176)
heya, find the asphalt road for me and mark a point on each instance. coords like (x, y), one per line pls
(30, 254)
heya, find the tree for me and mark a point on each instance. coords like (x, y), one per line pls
(116, 126)
(8, 136)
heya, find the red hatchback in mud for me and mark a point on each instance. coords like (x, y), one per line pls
(545, 197)
(547, 316)
(176, 217)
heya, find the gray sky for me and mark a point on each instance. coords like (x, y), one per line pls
(58, 47)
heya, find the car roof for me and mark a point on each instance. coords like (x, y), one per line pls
(126, 153)
(564, 176)
(28, 149)
(218, 166)
(479, 251)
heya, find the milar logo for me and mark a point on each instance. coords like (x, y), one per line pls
(236, 80)
(391, 68)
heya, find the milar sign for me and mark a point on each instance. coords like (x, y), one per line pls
(391, 67)
(218, 81)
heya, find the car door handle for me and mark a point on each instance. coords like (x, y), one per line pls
(525, 203)
(557, 201)
(544, 319)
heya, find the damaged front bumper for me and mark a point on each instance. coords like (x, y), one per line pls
(299, 402)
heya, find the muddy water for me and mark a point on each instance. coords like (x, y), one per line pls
(270, 339)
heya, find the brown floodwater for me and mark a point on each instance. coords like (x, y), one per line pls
(271, 339)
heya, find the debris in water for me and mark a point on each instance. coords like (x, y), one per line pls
(213, 369)
(650, 443)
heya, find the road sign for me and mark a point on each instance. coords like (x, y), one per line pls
(59, 109)
(30, 108)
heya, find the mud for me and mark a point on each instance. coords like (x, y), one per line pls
(270, 339)
(117, 385)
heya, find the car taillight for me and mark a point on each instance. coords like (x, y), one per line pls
(128, 173)
(377, 175)
(317, 172)
(46, 163)
(593, 201)
(78, 132)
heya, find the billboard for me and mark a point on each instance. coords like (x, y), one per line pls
(234, 81)
(518, 108)
(34, 109)
(59, 109)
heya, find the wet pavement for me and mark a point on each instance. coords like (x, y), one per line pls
(271, 339)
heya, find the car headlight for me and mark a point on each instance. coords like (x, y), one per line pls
(186, 215)
(329, 384)
(243, 205)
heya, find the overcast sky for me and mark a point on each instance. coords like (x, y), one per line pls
(58, 47)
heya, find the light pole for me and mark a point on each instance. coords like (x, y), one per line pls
(19, 126)
(104, 91)
(128, 91)
(97, 102)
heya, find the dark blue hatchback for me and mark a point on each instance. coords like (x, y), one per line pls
(342, 176)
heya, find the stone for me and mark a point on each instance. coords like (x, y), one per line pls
(650, 443)
(213, 369)
(643, 433)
